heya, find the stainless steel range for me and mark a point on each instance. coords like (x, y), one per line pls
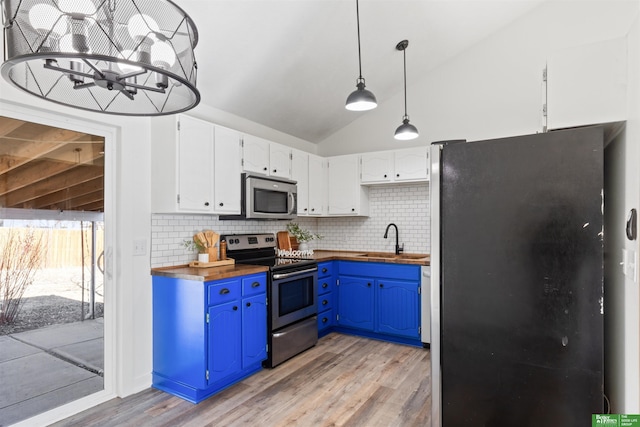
(291, 295)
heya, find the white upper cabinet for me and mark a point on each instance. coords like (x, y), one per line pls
(227, 171)
(587, 85)
(317, 185)
(300, 174)
(265, 157)
(377, 167)
(279, 160)
(195, 167)
(346, 195)
(406, 165)
(195, 171)
(411, 164)
(255, 154)
(181, 165)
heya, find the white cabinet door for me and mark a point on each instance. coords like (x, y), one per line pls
(300, 174)
(346, 195)
(227, 171)
(377, 167)
(317, 185)
(255, 154)
(195, 165)
(279, 160)
(412, 164)
(587, 85)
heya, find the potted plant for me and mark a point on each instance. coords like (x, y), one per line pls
(197, 245)
(302, 236)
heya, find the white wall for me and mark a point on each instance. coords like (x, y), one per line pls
(491, 90)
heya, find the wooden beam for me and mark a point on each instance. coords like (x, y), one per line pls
(58, 198)
(15, 152)
(79, 174)
(59, 161)
(93, 207)
(8, 125)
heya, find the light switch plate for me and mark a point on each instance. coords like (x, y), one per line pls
(139, 247)
(630, 265)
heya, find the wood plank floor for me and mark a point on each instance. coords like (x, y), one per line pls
(343, 381)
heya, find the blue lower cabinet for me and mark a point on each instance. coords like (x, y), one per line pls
(398, 310)
(207, 336)
(325, 321)
(379, 300)
(355, 302)
(254, 331)
(225, 328)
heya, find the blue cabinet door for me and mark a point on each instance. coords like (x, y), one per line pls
(254, 330)
(224, 340)
(398, 308)
(355, 302)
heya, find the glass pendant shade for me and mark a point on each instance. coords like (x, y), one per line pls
(406, 131)
(361, 99)
(126, 57)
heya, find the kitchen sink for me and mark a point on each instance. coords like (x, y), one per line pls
(389, 255)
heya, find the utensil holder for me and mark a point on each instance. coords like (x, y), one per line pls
(213, 254)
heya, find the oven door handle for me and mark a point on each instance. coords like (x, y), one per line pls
(295, 273)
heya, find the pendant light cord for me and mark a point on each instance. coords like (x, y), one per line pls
(358, 26)
(404, 55)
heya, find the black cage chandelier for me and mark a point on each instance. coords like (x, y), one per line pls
(127, 57)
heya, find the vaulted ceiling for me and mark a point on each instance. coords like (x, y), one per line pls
(290, 64)
(49, 168)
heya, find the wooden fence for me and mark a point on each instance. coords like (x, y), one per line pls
(63, 247)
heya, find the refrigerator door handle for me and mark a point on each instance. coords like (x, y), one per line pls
(632, 220)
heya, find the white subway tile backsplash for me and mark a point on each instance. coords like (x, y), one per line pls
(405, 205)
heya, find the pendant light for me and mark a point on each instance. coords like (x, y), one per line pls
(126, 57)
(360, 99)
(406, 130)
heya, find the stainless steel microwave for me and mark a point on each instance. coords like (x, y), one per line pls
(266, 198)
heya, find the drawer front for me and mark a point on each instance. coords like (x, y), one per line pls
(325, 269)
(223, 291)
(325, 320)
(325, 302)
(325, 285)
(255, 284)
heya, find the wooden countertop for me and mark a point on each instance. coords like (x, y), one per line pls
(207, 274)
(370, 256)
(228, 271)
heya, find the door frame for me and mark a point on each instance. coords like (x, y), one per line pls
(111, 143)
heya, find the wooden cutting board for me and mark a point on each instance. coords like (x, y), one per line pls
(283, 240)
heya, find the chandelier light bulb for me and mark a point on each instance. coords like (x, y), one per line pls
(140, 25)
(162, 55)
(44, 17)
(128, 68)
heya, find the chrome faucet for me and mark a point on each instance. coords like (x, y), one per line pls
(386, 232)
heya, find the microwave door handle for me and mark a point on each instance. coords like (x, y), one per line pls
(292, 201)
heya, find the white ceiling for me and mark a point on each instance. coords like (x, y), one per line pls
(291, 64)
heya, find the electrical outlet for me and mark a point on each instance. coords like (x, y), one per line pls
(139, 247)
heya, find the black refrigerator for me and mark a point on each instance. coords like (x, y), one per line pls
(517, 280)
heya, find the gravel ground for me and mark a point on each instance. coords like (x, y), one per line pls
(55, 297)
